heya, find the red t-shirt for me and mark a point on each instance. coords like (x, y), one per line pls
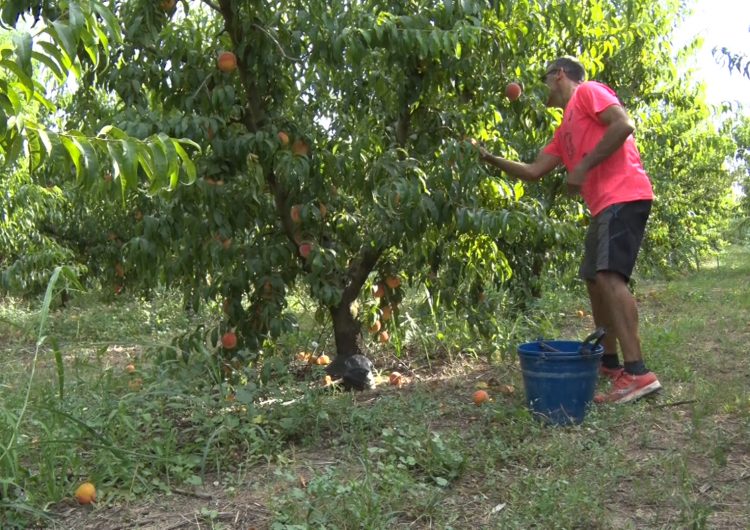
(619, 178)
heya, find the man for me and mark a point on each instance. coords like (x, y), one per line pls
(595, 143)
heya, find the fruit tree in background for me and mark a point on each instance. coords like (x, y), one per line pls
(333, 153)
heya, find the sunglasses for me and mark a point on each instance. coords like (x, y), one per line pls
(550, 72)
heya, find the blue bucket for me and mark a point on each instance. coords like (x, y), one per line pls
(560, 376)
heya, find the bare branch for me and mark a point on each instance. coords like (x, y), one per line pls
(278, 44)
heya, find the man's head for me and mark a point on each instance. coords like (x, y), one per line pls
(561, 77)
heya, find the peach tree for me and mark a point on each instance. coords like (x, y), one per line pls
(237, 149)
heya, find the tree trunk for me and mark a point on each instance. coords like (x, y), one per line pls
(346, 330)
(346, 327)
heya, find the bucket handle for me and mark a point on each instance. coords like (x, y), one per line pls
(588, 347)
(546, 348)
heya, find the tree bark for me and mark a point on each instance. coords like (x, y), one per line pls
(346, 327)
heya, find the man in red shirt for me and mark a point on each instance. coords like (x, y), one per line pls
(595, 143)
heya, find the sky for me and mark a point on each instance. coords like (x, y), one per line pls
(720, 23)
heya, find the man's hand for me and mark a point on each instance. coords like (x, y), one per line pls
(483, 153)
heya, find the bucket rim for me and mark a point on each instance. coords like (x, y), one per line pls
(533, 349)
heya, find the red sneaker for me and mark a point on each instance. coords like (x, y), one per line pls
(629, 387)
(610, 373)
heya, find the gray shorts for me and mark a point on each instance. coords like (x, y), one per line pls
(614, 238)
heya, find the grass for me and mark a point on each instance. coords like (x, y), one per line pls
(186, 449)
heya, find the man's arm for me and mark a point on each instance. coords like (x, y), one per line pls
(619, 127)
(543, 164)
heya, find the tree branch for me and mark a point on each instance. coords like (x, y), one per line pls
(255, 110)
(359, 271)
(278, 44)
(210, 4)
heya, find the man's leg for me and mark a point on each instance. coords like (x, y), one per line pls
(620, 313)
(596, 246)
(636, 380)
(602, 319)
(612, 245)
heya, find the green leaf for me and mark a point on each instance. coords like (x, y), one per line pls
(60, 367)
(40, 98)
(25, 81)
(76, 153)
(90, 158)
(64, 37)
(110, 22)
(66, 62)
(76, 20)
(119, 165)
(172, 174)
(158, 160)
(23, 42)
(34, 150)
(145, 161)
(52, 64)
(187, 164)
(12, 153)
(130, 154)
(103, 39)
(45, 140)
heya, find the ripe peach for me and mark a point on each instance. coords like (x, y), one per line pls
(375, 327)
(387, 313)
(393, 282)
(303, 357)
(130, 368)
(296, 213)
(283, 138)
(86, 493)
(167, 5)
(513, 91)
(305, 249)
(300, 148)
(229, 340)
(227, 62)
(480, 397)
(384, 337)
(378, 290)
